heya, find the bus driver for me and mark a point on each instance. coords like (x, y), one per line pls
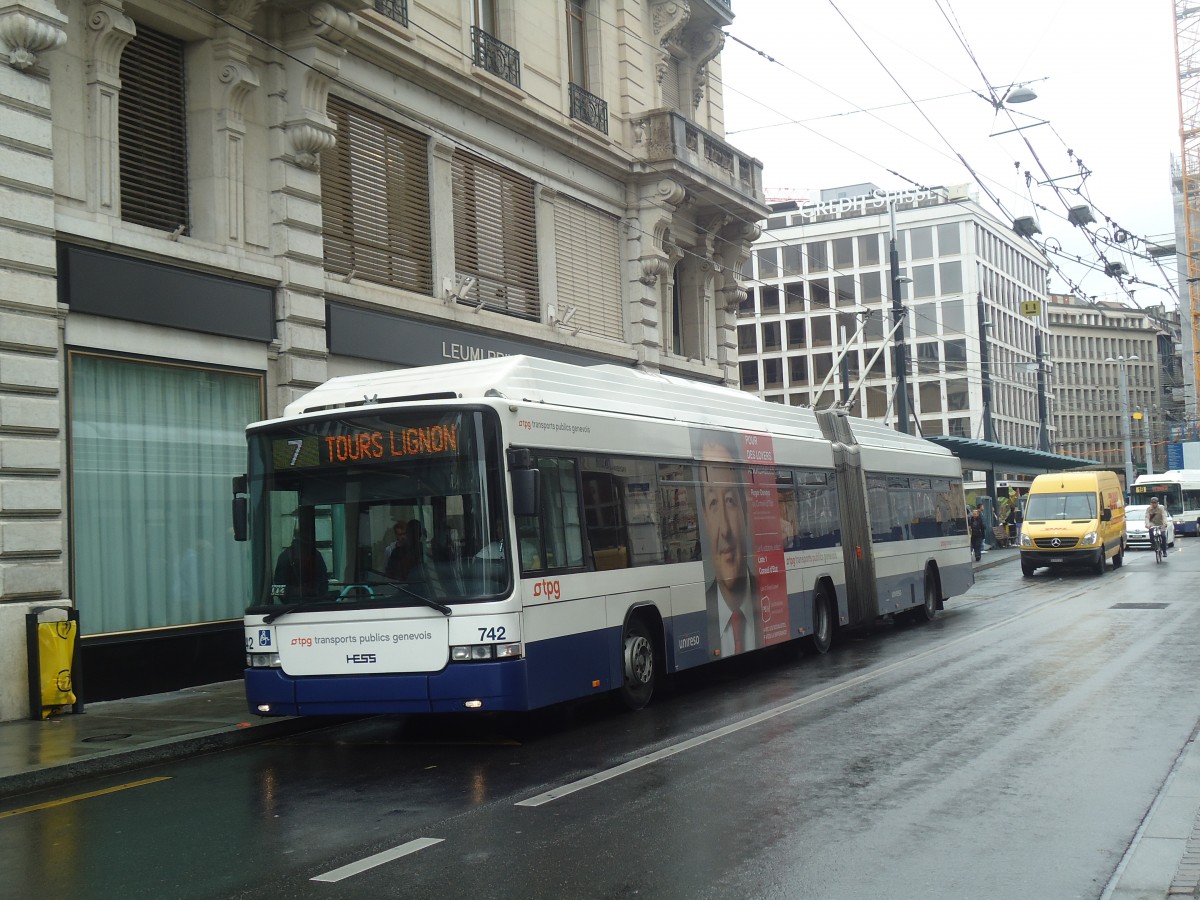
(734, 622)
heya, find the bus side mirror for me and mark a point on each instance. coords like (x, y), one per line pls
(1106, 515)
(526, 484)
(240, 507)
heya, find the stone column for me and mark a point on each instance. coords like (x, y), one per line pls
(32, 413)
(301, 130)
(652, 256)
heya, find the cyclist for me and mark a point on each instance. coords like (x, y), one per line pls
(1157, 518)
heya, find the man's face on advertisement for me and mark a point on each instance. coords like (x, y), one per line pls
(725, 518)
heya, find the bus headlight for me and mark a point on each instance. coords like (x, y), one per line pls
(484, 652)
(1090, 538)
(262, 660)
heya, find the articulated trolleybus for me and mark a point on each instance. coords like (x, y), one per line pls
(511, 533)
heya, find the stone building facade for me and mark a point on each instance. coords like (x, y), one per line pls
(209, 208)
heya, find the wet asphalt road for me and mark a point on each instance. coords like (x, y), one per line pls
(1010, 749)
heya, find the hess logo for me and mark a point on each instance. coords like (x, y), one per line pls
(360, 658)
(547, 588)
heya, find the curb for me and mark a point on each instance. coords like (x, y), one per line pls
(168, 750)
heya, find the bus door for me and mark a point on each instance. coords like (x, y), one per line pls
(861, 600)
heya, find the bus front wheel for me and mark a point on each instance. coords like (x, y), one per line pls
(638, 665)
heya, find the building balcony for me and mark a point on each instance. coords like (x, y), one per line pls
(396, 10)
(712, 170)
(496, 56)
(588, 108)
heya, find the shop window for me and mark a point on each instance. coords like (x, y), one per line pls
(153, 449)
(152, 132)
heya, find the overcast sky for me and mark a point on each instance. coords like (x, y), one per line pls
(1109, 94)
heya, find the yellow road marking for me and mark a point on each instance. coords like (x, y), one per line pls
(89, 795)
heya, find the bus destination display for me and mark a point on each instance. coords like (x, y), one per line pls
(351, 446)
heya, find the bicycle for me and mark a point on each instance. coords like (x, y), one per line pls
(1158, 540)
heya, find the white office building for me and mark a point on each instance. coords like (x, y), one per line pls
(820, 283)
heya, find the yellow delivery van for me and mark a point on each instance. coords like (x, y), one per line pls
(1073, 519)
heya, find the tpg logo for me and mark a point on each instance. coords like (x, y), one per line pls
(547, 588)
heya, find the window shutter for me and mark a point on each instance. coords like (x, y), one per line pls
(495, 237)
(152, 132)
(588, 258)
(375, 200)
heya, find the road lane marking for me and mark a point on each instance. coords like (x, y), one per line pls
(89, 795)
(378, 859)
(625, 768)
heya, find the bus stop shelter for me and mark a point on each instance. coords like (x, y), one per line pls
(990, 457)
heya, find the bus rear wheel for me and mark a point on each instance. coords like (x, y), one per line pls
(639, 672)
(927, 610)
(821, 638)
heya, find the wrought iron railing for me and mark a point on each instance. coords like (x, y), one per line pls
(588, 108)
(496, 56)
(396, 10)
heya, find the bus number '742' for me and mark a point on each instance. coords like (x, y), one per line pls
(492, 634)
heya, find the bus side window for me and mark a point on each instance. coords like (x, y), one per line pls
(554, 539)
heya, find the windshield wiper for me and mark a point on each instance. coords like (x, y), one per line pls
(428, 601)
(287, 610)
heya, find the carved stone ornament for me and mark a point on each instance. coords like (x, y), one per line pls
(669, 18)
(26, 33)
(308, 142)
(244, 11)
(653, 267)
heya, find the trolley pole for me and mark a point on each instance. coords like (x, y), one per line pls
(899, 360)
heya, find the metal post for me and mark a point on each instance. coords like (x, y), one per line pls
(985, 373)
(1125, 426)
(1146, 441)
(1043, 424)
(899, 362)
(844, 366)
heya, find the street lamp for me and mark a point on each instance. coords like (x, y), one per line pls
(1123, 361)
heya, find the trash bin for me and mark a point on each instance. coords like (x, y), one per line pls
(53, 646)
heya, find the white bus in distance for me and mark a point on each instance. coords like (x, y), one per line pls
(512, 533)
(1178, 490)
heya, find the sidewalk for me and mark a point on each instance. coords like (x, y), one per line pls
(118, 735)
(1163, 860)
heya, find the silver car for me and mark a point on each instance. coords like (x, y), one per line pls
(1136, 534)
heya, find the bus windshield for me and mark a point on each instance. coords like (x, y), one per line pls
(1074, 505)
(1169, 494)
(385, 509)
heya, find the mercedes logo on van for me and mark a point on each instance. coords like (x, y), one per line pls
(1056, 543)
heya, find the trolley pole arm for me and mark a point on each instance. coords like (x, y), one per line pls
(849, 401)
(837, 362)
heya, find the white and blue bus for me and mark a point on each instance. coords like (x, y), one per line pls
(1178, 490)
(511, 533)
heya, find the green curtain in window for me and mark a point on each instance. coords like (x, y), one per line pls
(153, 448)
